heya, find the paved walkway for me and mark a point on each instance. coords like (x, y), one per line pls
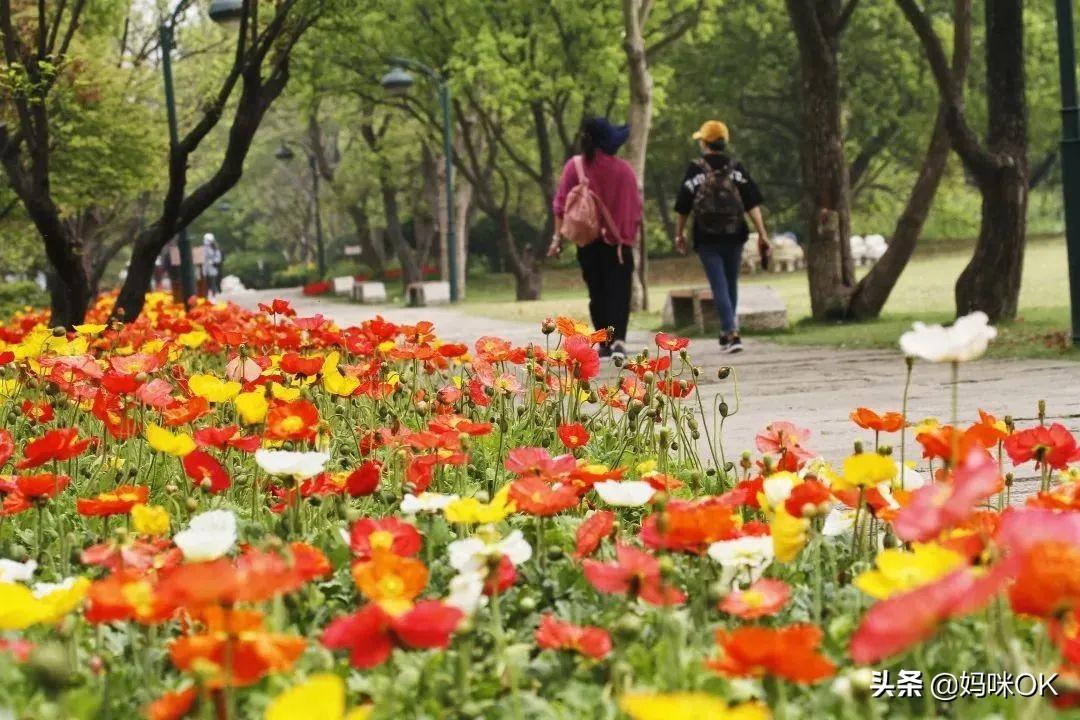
(812, 387)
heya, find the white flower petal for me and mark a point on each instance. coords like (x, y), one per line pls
(627, 493)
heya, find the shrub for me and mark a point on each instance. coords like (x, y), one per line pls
(245, 264)
(17, 295)
(294, 275)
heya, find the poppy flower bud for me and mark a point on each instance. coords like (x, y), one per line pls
(1009, 477)
(769, 464)
(547, 326)
(723, 409)
(711, 472)
(593, 397)
(890, 540)
(635, 406)
(192, 504)
(694, 434)
(885, 450)
(858, 447)
(723, 372)
(629, 625)
(665, 436)
(97, 665)
(59, 331)
(675, 447)
(1042, 411)
(729, 466)
(683, 354)
(667, 565)
(527, 603)
(696, 371)
(649, 377)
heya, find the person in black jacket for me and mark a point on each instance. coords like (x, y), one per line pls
(720, 194)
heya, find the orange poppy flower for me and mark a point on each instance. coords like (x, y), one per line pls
(790, 653)
(60, 444)
(1048, 583)
(369, 535)
(689, 526)
(391, 581)
(989, 431)
(236, 636)
(592, 531)
(184, 412)
(764, 597)
(535, 496)
(296, 420)
(870, 420)
(555, 634)
(173, 705)
(671, 343)
(118, 501)
(573, 435)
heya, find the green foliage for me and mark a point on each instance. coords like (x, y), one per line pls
(254, 268)
(20, 295)
(294, 275)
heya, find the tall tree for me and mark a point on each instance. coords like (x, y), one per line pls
(998, 164)
(818, 26)
(874, 288)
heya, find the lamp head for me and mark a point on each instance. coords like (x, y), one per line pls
(397, 81)
(226, 12)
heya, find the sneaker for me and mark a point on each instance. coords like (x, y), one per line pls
(603, 350)
(730, 343)
(618, 350)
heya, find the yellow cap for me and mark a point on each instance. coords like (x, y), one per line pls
(711, 131)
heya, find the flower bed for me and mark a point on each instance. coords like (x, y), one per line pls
(238, 515)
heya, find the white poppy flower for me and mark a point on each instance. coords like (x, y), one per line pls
(300, 465)
(743, 558)
(472, 554)
(425, 502)
(777, 488)
(11, 571)
(966, 339)
(839, 521)
(209, 535)
(41, 590)
(628, 493)
(466, 592)
(912, 478)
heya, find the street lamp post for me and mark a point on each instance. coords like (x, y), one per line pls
(222, 12)
(285, 153)
(1070, 155)
(398, 82)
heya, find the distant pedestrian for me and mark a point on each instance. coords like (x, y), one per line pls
(609, 197)
(211, 265)
(718, 191)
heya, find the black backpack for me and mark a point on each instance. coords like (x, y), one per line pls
(718, 207)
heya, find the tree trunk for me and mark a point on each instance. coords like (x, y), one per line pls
(991, 280)
(874, 289)
(639, 115)
(370, 255)
(827, 202)
(410, 269)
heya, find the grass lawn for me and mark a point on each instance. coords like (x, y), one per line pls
(924, 292)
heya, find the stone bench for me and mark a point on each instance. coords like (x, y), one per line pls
(343, 285)
(760, 309)
(427, 293)
(369, 292)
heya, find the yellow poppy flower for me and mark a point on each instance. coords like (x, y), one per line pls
(150, 519)
(285, 394)
(214, 388)
(898, 571)
(788, 534)
(193, 339)
(470, 510)
(90, 329)
(20, 607)
(321, 696)
(334, 382)
(252, 406)
(668, 706)
(866, 470)
(177, 445)
(8, 387)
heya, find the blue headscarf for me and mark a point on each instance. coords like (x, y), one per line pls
(607, 137)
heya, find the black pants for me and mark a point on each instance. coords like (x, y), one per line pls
(609, 284)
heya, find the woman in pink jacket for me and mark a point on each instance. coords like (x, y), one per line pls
(607, 264)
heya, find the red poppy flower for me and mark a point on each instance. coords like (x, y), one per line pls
(278, 307)
(590, 641)
(808, 499)
(115, 502)
(870, 420)
(592, 531)
(113, 412)
(1053, 445)
(583, 357)
(535, 496)
(60, 444)
(671, 343)
(37, 412)
(790, 653)
(173, 705)
(7, 447)
(940, 506)
(364, 480)
(501, 578)
(184, 412)
(399, 537)
(634, 573)
(453, 350)
(573, 435)
(675, 388)
(42, 485)
(371, 633)
(295, 364)
(764, 597)
(223, 437)
(296, 420)
(206, 472)
(6, 357)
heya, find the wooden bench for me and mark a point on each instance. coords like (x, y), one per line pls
(427, 293)
(369, 292)
(760, 309)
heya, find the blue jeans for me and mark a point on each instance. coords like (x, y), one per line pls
(722, 262)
